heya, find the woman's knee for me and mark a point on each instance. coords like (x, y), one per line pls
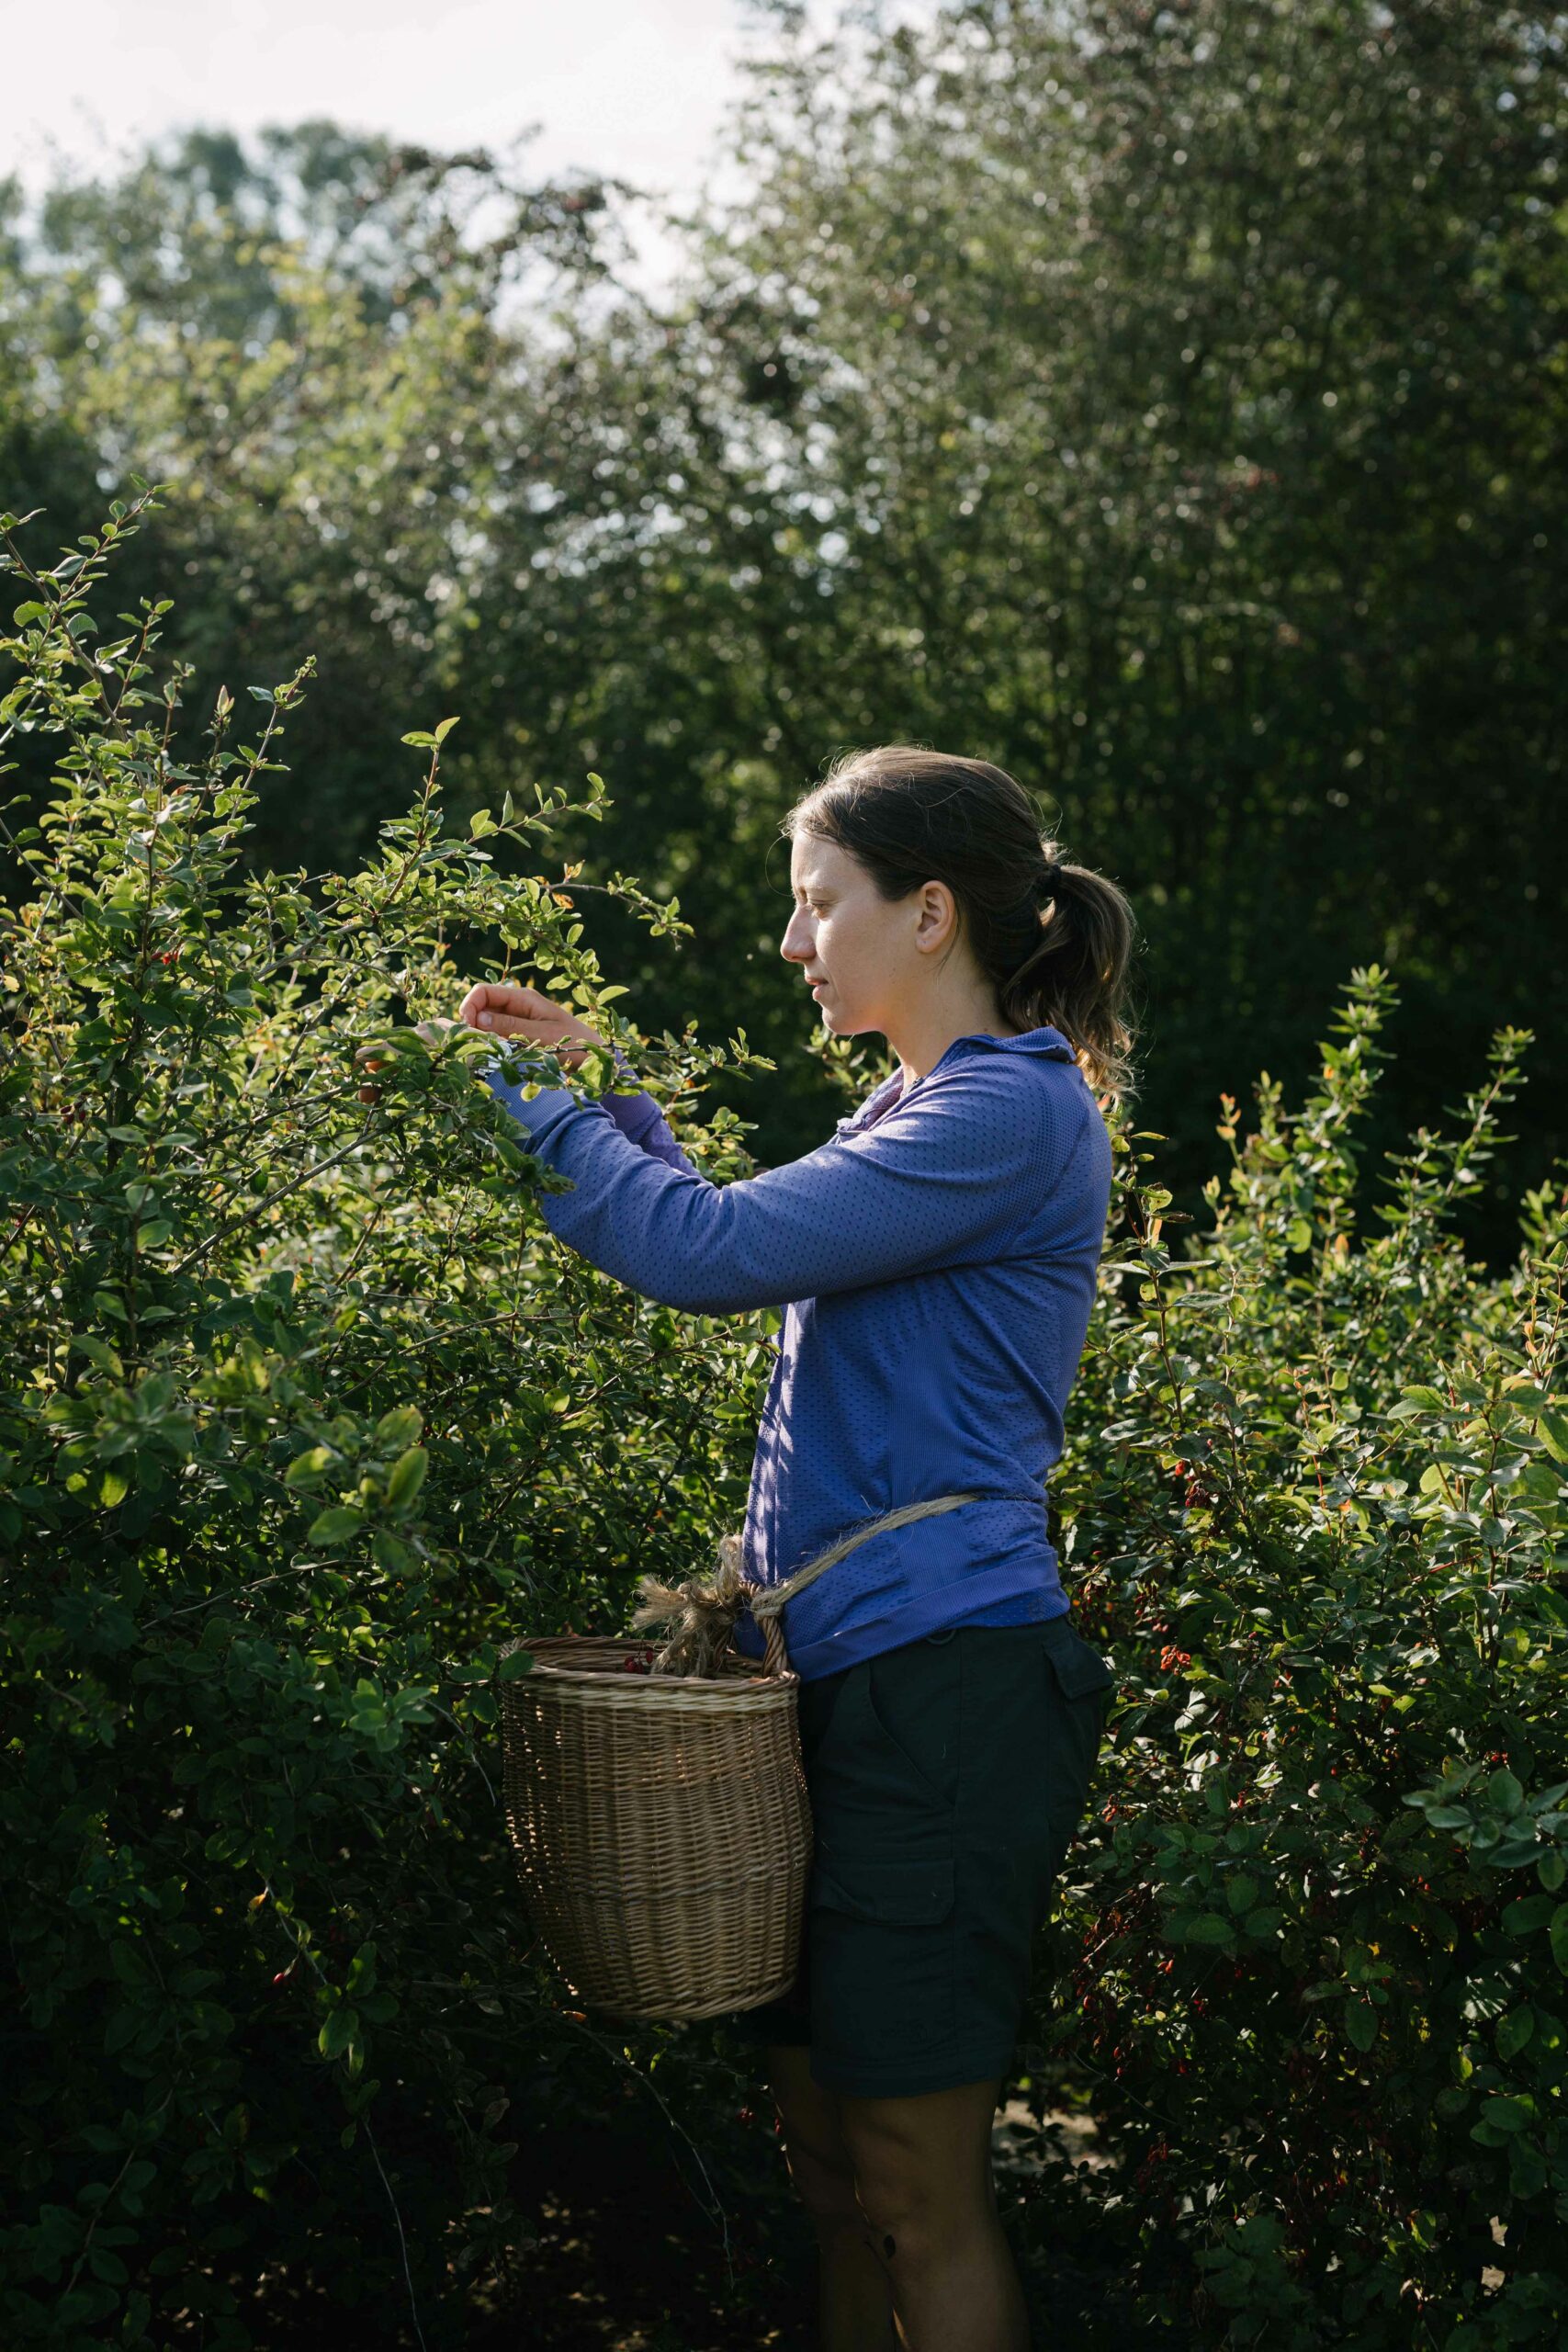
(922, 2179)
(814, 2149)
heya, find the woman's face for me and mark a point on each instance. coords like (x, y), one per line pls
(869, 955)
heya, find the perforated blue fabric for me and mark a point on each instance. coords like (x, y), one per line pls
(935, 1261)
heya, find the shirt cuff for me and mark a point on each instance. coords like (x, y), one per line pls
(630, 1112)
(542, 1110)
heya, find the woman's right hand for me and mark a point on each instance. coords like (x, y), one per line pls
(504, 1009)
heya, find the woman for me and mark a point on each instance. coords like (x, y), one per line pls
(936, 1260)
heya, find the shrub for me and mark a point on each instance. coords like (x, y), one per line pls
(1316, 1936)
(297, 1420)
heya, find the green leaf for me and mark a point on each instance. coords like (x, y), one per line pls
(445, 729)
(1560, 1937)
(515, 1663)
(388, 1553)
(335, 1526)
(339, 2031)
(1207, 1928)
(406, 1476)
(1361, 2024)
(1515, 2030)
(307, 1466)
(1505, 2115)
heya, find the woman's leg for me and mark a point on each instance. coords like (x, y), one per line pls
(855, 2299)
(922, 2172)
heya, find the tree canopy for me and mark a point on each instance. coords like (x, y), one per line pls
(1166, 403)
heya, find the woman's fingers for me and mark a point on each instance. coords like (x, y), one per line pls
(504, 995)
(543, 1029)
(506, 1009)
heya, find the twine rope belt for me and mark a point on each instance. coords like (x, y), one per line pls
(701, 1615)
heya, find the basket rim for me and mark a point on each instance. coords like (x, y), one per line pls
(738, 1670)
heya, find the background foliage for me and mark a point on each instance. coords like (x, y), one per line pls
(1165, 401)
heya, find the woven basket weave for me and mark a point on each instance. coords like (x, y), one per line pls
(661, 1826)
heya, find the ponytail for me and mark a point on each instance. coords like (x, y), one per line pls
(1074, 974)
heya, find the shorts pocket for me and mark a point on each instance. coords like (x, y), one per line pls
(914, 1703)
(1080, 1672)
(882, 1933)
(884, 1779)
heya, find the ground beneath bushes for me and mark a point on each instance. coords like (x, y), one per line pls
(627, 2261)
(629, 2254)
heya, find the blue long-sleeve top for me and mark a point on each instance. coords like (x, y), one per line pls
(935, 1261)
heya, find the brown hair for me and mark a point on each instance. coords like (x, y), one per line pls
(1055, 939)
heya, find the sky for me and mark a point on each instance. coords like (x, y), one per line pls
(635, 88)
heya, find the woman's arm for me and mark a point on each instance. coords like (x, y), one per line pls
(930, 1184)
(642, 1122)
(507, 1009)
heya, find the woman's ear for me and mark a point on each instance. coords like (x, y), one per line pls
(937, 917)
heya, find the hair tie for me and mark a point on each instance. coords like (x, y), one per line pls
(1047, 884)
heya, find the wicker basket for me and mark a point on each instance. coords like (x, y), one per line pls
(661, 1826)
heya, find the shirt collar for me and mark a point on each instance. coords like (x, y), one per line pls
(1045, 1040)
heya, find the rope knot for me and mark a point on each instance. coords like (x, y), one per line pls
(701, 1614)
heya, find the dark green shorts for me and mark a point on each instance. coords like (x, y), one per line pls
(947, 1779)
